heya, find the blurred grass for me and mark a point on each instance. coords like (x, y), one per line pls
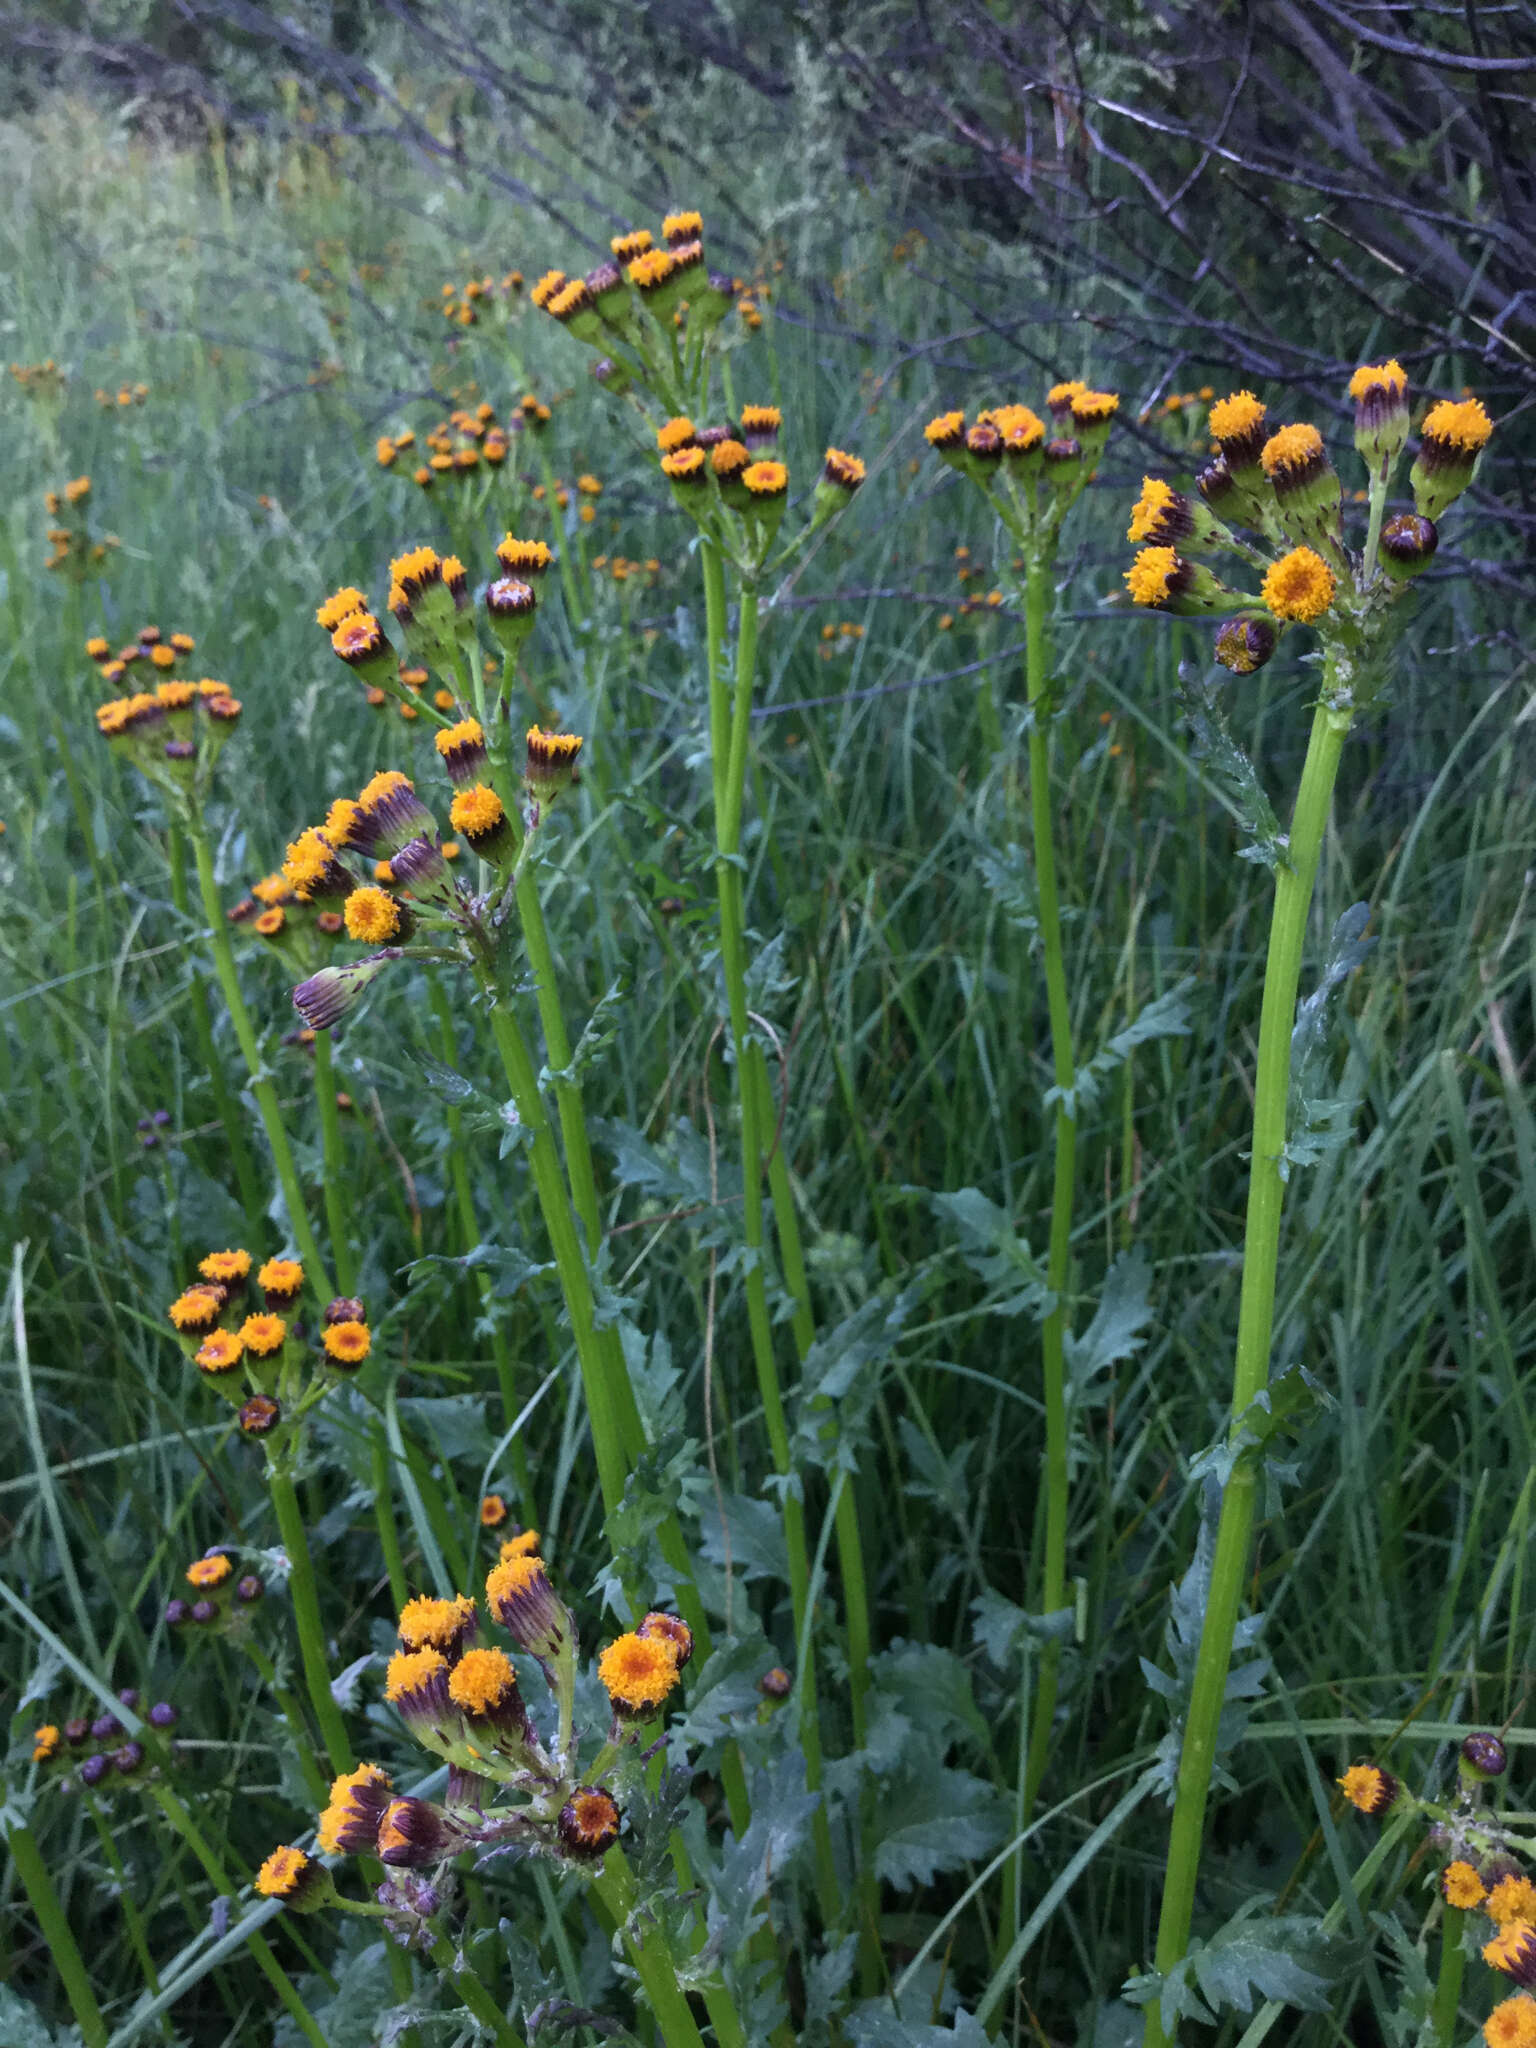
(244, 490)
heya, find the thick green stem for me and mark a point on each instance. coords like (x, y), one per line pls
(306, 1614)
(1261, 1248)
(262, 1088)
(1053, 1589)
(251, 1198)
(338, 1216)
(27, 1860)
(1442, 2018)
(729, 718)
(467, 1986)
(651, 1957)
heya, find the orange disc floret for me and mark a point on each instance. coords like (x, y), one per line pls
(341, 606)
(379, 786)
(524, 1544)
(1461, 1886)
(546, 287)
(493, 1511)
(672, 1630)
(843, 469)
(428, 1624)
(682, 227)
(761, 419)
(1093, 408)
(372, 916)
(1150, 577)
(649, 272)
(766, 479)
(1512, 1898)
(347, 1343)
(273, 889)
(1512, 2023)
(675, 433)
(1062, 394)
(1300, 586)
(349, 1823)
(226, 1268)
(637, 1673)
(516, 1572)
(280, 1280)
(1292, 451)
(1369, 1788)
(45, 1743)
(728, 458)
(482, 1681)
(263, 1334)
(220, 1351)
(946, 431)
(685, 466)
(358, 639)
(589, 1823)
(1461, 424)
(309, 861)
(209, 1572)
(1389, 376)
(1156, 497)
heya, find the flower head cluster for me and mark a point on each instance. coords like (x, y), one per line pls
(1277, 481)
(241, 1333)
(511, 1782)
(1032, 466)
(173, 729)
(74, 550)
(483, 298)
(215, 1597)
(464, 451)
(94, 1752)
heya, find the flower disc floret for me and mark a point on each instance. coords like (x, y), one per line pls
(345, 602)
(429, 1624)
(282, 1873)
(347, 1343)
(1369, 1788)
(1150, 578)
(1237, 417)
(476, 812)
(262, 1335)
(1512, 1898)
(1461, 424)
(1461, 1886)
(1292, 454)
(766, 479)
(638, 1672)
(685, 465)
(208, 1572)
(1300, 586)
(677, 432)
(411, 1672)
(219, 1352)
(482, 1681)
(946, 431)
(197, 1309)
(1388, 377)
(1512, 2023)
(280, 1281)
(372, 916)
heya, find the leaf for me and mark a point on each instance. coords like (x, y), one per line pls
(1123, 1312)
(23, 2026)
(940, 1478)
(750, 1537)
(997, 1625)
(348, 2017)
(1318, 1121)
(932, 1820)
(1256, 1956)
(993, 1249)
(510, 1267)
(599, 1032)
(930, 1688)
(781, 1817)
(874, 2025)
(1231, 770)
(673, 1171)
(1165, 1016)
(1010, 883)
(841, 1380)
(725, 1693)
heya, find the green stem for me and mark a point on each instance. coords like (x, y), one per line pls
(1054, 1329)
(729, 722)
(262, 1087)
(651, 1957)
(338, 1217)
(131, 1914)
(1261, 1248)
(27, 1860)
(292, 1713)
(1442, 2018)
(251, 1199)
(306, 1614)
(176, 1813)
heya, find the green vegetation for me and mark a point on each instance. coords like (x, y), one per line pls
(283, 307)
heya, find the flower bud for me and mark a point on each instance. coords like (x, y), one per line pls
(1483, 1756)
(1407, 546)
(588, 1825)
(1244, 645)
(1380, 392)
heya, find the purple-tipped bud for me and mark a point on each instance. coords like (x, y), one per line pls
(130, 1698)
(1483, 1756)
(775, 1684)
(126, 1761)
(326, 997)
(177, 1613)
(77, 1731)
(106, 1727)
(346, 1308)
(204, 1611)
(249, 1589)
(93, 1770)
(163, 1715)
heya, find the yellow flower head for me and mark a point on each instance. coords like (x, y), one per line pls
(282, 1873)
(350, 1821)
(45, 1743)
(524, 1544)
(310, 861)
(273, 889)
(209, 1572)
(1461, 425)
(1060, 396)
(1094, 408)
(280, 1281)
(1293, 454)
(340, 820)
(347, 1343)
(1156, 497)
(412, 1671)
(675, 433)
(264, 1334)
(493, 1511)
(1511, 1899)
(220, 1351)
(1461, 1886)
(1512, 2023)
(766, 479)
(649, 272)
(372, 916)
(482, 1681)
(682, 227)
(844, 471)
(467, 733)
(476, 812)
(1150, 578)
(1300, 586)
(547, 286)
(1369, 1788)
(637, 1673)
(946, 431)
(428, 1624)
(627, 247)
(345, 602)
(225, 1268)
(1238, 417)
(379, 786)
(686, 465)
(1388, 377)
(1513, 1950)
